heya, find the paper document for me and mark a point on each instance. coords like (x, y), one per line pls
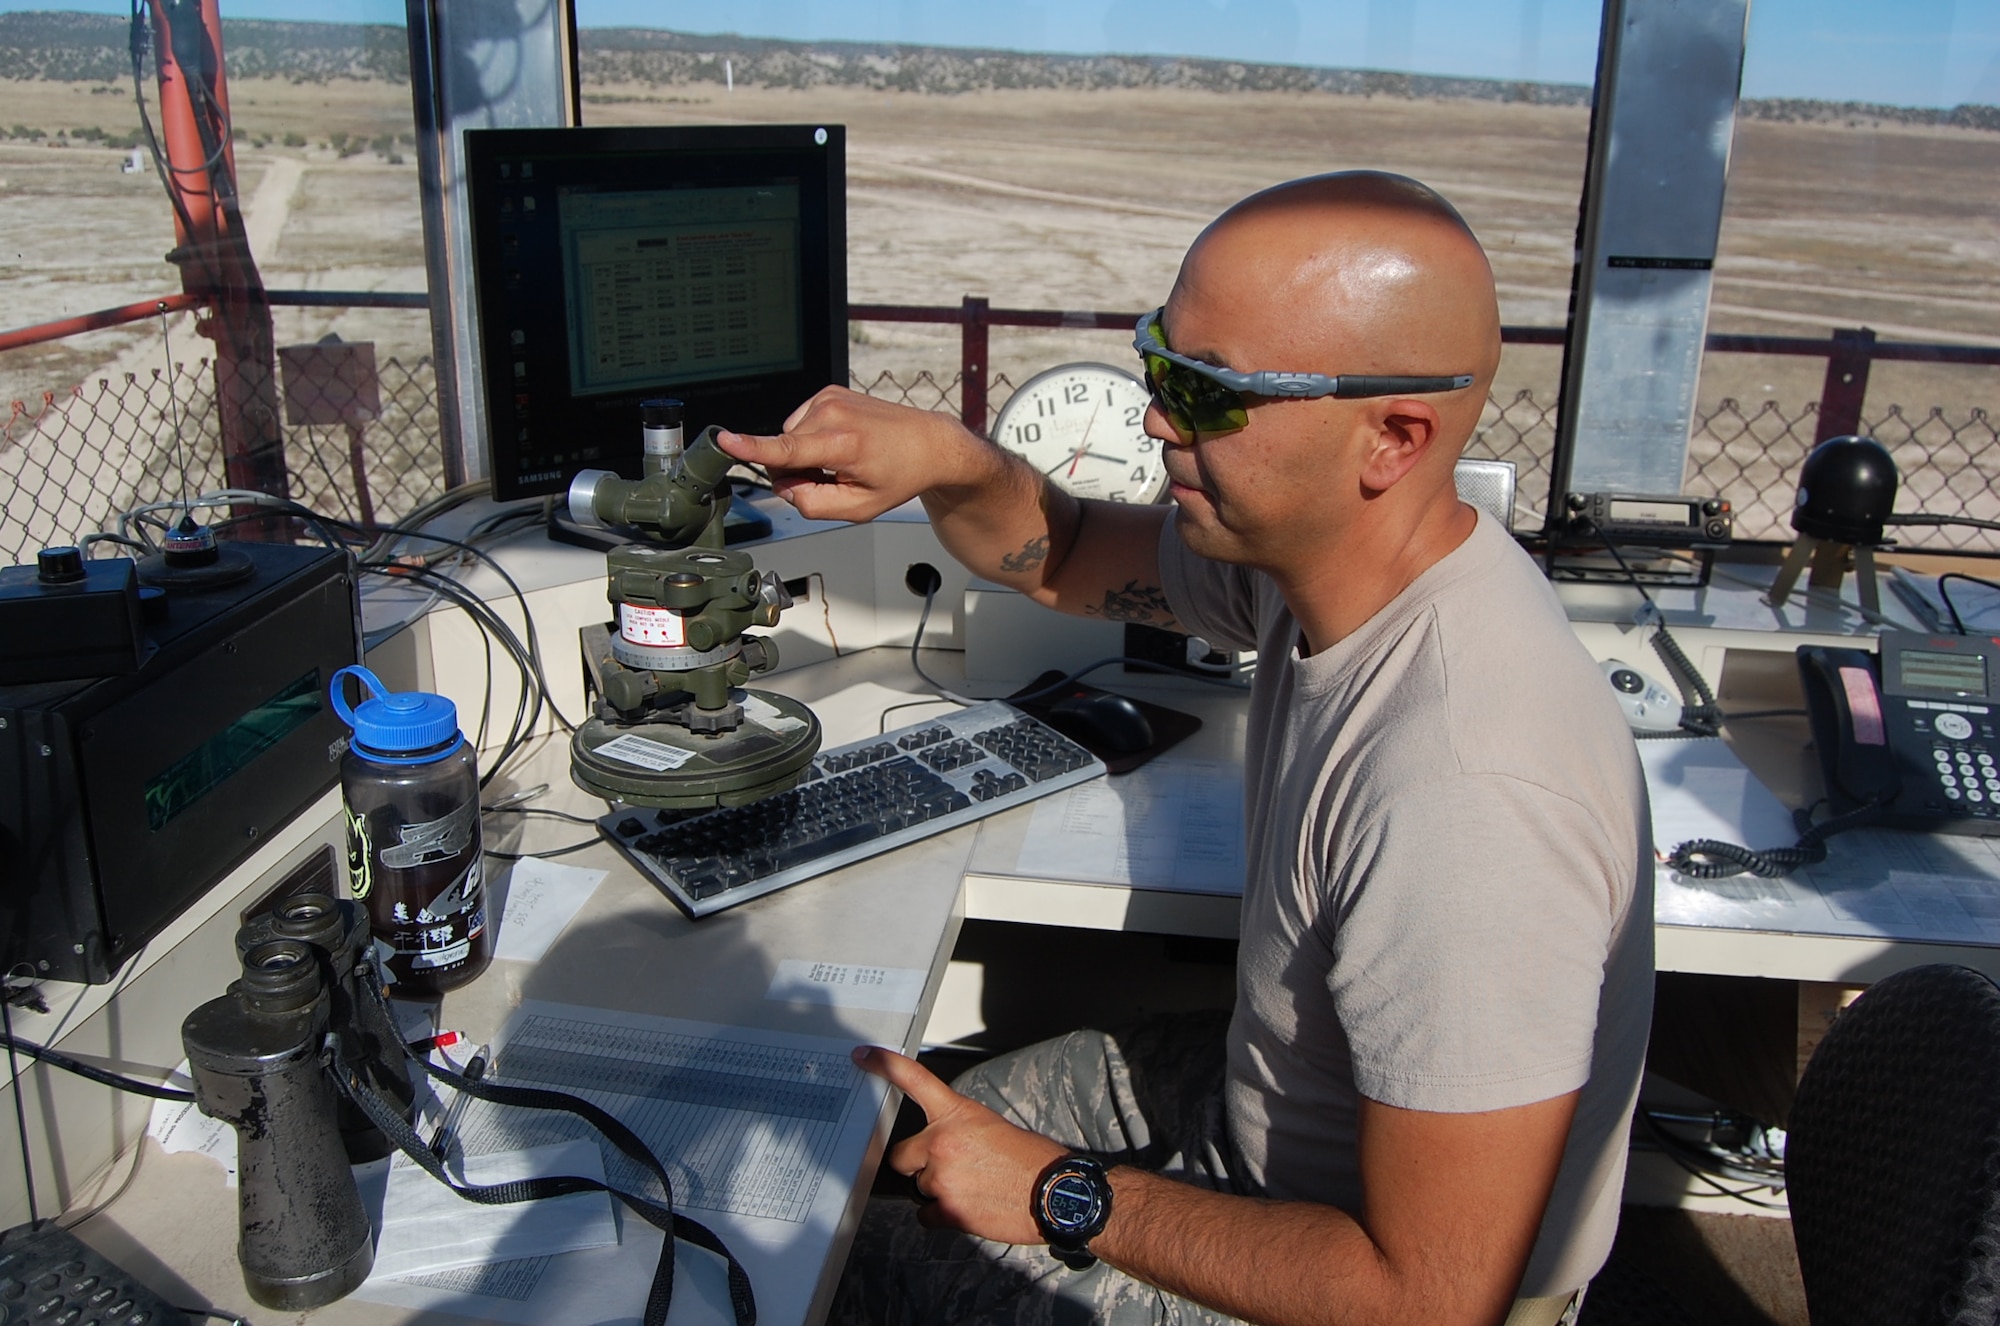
(843, 985)
(1170, 824)
(178, 1126)
(427, 1227)
(1875, 883)
(761, 1133)
(543, 897)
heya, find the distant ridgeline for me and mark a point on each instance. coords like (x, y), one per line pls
(93, 48)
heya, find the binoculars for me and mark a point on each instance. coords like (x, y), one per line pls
(262, 1062)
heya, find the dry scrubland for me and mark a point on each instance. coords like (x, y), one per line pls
(1056, 199)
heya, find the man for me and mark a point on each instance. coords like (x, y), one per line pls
(1444, 976)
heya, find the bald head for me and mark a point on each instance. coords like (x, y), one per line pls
(1357, 272)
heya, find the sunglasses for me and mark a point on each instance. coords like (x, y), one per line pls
(1202, 398)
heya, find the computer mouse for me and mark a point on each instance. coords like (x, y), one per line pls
(1103, 721)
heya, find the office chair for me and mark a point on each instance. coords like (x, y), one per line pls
(1893, 1159)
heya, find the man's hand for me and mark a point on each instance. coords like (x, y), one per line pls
(976, 1170)
(845, 456)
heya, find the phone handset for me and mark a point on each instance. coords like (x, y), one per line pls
(1843, 693)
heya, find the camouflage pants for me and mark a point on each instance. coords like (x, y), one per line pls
(1150, 1096)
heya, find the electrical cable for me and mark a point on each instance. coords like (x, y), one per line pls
(20, 1108)
(1708, 858)
(882, 724)
(916, 642)
(525, 716)
(1957, 621)
(538, 855)
(104, 1077)
(542, 811)
(1701, 719)
(1677, 1150)
(527, 617)
(1964, 522)
(826, 610)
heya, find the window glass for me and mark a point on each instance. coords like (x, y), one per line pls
(320, 125)
(1864, 192)
(1063, 157)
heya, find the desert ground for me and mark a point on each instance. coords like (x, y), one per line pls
(1069, 200)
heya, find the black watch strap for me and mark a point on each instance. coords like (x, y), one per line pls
(1072, 1204)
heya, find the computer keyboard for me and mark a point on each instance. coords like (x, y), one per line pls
(855, 801)
(49, 1275)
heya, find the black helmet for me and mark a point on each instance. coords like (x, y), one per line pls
(1847, 487)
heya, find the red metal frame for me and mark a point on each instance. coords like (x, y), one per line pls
(1849, 351)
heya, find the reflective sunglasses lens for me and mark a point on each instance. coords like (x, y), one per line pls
(1203, 403)
(1165, 387)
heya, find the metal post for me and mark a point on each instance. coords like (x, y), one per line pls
(1662, 122)
(972, 364)
(357, 460)
(1846, 383)
(494, 64)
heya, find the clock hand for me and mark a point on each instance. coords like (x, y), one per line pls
(1083, 443)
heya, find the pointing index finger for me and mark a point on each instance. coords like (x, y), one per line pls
(908, 1076)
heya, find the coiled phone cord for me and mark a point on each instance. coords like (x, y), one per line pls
(1709, 858)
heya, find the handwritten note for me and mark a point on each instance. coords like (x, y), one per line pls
(842, 985)
(543, 897)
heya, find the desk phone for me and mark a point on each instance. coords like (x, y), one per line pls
(1912, 729)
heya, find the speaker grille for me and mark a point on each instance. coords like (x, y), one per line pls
(1488, 485)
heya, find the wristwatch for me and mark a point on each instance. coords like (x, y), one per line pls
(1072, 1203)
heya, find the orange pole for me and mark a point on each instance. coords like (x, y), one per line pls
(213, 251)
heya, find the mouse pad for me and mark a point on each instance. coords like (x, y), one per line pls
(1170, 726)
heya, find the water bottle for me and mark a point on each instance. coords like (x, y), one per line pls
(411, 783)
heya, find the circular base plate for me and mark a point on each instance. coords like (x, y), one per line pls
(230, 565)
(665, 765)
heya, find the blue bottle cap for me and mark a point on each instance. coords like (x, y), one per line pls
(397, 725)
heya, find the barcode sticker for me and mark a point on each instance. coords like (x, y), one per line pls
(642, 753)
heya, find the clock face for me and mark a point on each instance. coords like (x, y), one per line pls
(1082, 426)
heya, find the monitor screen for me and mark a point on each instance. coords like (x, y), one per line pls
(612, 265)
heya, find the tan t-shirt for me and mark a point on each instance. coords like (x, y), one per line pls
(1449, 900)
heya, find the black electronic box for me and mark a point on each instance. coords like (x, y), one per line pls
(1663, 520)
(124, 798)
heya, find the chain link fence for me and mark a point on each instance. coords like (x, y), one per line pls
(73, 462)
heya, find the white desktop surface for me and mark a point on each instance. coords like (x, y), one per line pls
(630, 950)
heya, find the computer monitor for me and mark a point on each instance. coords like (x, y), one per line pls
(707, 263)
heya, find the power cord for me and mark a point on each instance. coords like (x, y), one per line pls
(1958, 622)
(1711, 858)
(922, 578)
(1700, 718)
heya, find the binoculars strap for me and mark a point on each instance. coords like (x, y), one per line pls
(659, 1214)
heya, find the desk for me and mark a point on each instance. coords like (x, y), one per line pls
(630, 950)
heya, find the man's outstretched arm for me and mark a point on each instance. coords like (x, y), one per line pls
(845, 456)
(1453, 1203)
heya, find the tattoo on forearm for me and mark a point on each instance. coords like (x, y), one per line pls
(1033, 553)
(1134, 603)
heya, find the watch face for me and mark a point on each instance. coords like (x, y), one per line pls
(1072, 1202)
(1082, 425)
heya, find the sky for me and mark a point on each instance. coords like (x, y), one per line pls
(1898, 52)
